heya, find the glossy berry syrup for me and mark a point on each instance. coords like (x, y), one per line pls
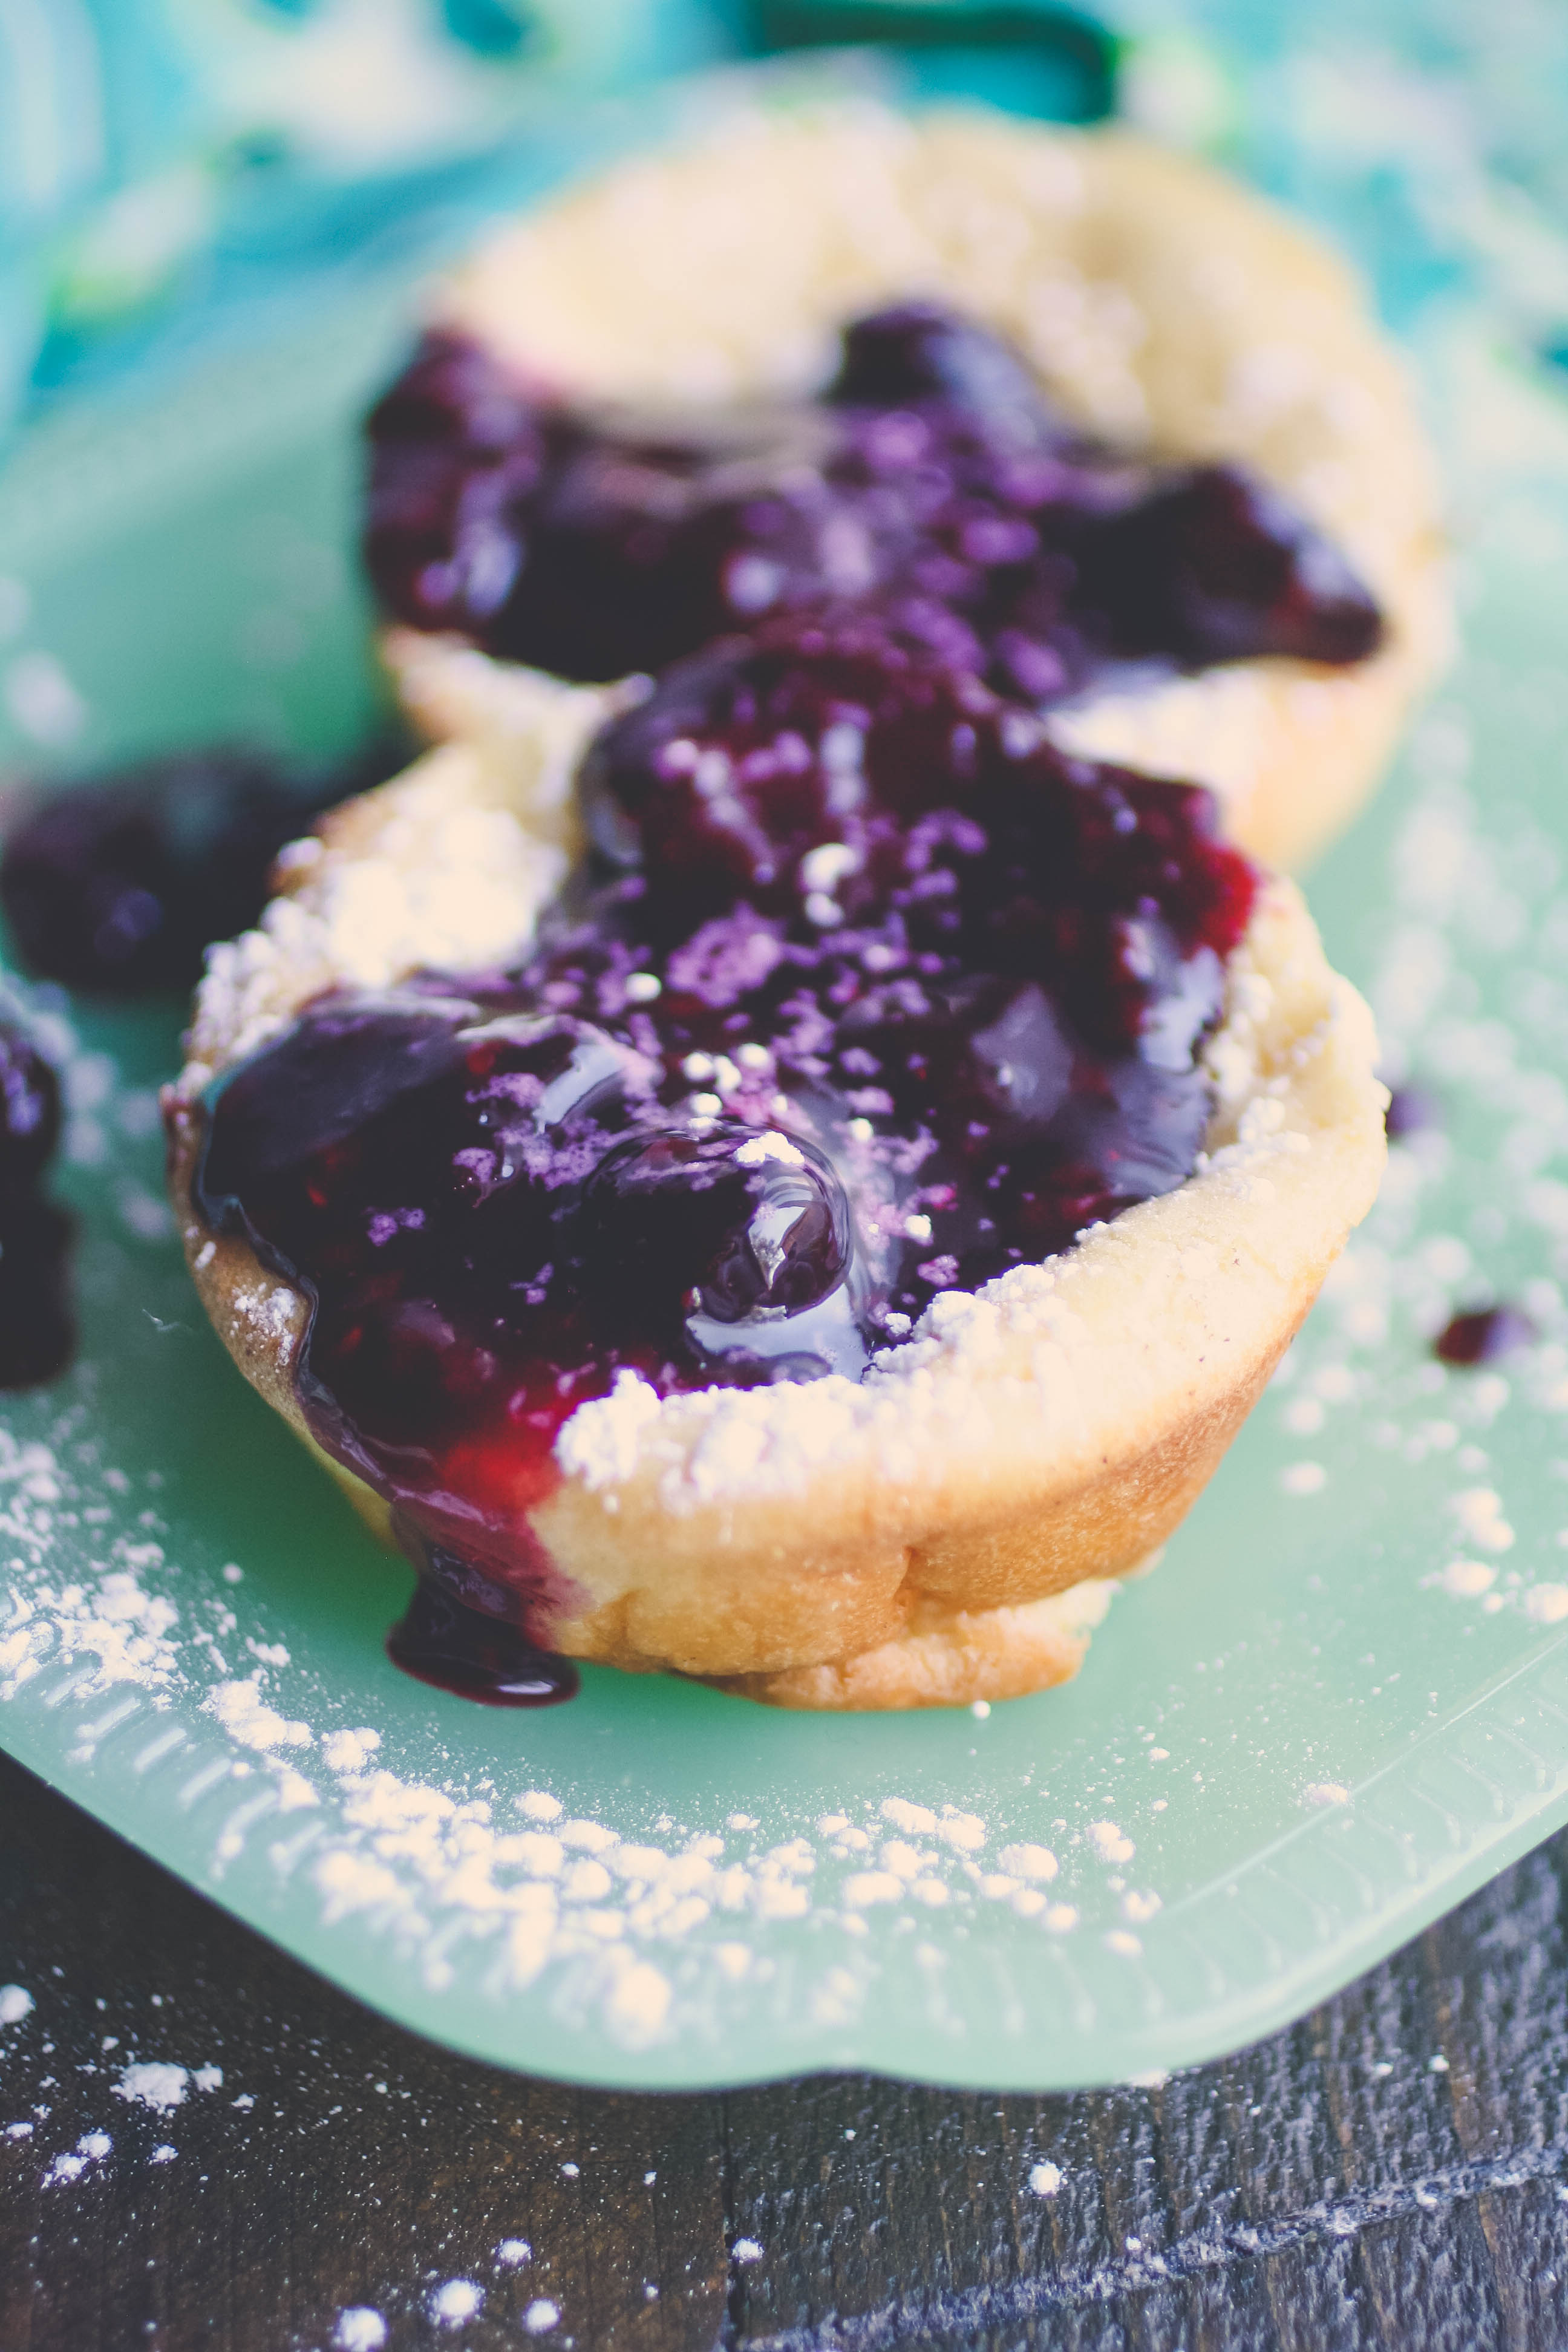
(459, 1633)
(38, 1328)
(932, 476)
(863, 992)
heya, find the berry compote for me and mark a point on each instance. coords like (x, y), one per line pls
(863, 992)
(116, 883)
(38, 1328)
(932, 476)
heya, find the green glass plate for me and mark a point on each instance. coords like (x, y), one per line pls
(1339, 1703)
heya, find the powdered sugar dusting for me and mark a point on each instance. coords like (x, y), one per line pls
(360, 2328)
(105, 1625)
(456, 2302)
(241, 1710)
(636, 1932)
(461, 886)
(154, 2084)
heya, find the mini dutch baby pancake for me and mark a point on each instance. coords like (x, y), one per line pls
(818, 1235)
(1072, 407)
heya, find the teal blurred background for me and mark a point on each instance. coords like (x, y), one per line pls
(176, 173)
(181, 170)
(167, 166)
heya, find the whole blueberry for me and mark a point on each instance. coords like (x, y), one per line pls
(117, 882)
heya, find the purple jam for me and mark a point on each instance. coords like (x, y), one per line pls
(37, 1327)
(865, 992)
(1483, 1335)
(117, 882)
(932, 476)
(458, 1633)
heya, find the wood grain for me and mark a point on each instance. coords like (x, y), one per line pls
(1390, 2172)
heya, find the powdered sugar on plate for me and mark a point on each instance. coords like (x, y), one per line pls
(493, 1874)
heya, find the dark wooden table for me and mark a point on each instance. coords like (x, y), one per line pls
(1393, 2171)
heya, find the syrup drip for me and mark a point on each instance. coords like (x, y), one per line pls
(458, 1633)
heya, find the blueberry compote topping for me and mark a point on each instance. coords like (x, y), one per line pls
(117, 882)
(932, 476)
(38, 1331)
(864, 992)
